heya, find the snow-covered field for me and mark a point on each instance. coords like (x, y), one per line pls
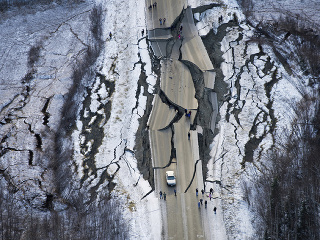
(256, 107)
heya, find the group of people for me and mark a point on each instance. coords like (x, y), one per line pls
(162, 21)
(154, 5)
(164, 195)
(200, 203)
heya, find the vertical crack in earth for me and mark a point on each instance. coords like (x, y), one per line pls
(142, 148)
(93, 124)
(204, 114)
(45, 113)
(268, 125)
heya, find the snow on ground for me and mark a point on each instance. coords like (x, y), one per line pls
(249, 78)
(121, 55)
(62, 38)
(208, 19)
(119, 64)
(284, 93)
(303, 9)
(122, 51)
(25, 88)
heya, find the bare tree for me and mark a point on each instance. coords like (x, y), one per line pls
(286, 196)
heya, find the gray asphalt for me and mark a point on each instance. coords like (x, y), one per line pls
(180, 214)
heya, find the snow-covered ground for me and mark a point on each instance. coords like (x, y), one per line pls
(228, 148)
(306, 10)
(62, 37)
(258, 107)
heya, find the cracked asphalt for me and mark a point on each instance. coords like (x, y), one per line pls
(183, 85)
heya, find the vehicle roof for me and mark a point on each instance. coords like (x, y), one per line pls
(170, 173)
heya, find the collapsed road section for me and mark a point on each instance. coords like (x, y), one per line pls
(186, 81)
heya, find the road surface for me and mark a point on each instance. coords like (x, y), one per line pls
(168, 126)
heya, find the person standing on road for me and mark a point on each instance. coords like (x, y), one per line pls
(197, 192)
(199, 204)
(202, 191)
(142, 32)
(215, 210)
(175, 192)
(188, 135)
(210, 196)
(205, 203)
(211, 190)
(164, 196)
(160, 20)
(201, 201)
(164, 21)
(160, 194)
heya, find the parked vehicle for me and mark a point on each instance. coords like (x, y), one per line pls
(171, 179)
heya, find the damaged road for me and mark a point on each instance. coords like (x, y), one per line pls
(186, 81)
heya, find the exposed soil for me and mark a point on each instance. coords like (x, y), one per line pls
(142, 147)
